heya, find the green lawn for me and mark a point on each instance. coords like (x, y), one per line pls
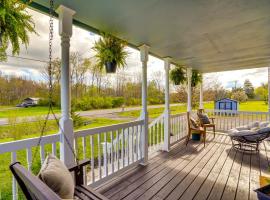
(24, 112)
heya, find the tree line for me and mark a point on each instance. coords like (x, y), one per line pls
(92, 88)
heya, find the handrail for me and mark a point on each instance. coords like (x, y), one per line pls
(27, 143)
(92, 131)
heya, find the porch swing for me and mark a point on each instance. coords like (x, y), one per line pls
(33, 187)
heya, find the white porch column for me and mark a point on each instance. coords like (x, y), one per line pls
(201, 94)
(66, 124)
(144, 114)
(269, 90)
(189, 75)
(167, 127)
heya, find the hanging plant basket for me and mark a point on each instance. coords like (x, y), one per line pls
(110, 66)
(110, 53)
(177, 75)
(15, 27)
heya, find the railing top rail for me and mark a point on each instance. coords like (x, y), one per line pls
(27, 143)
(178, 115)
(86, 132)
(235, 111)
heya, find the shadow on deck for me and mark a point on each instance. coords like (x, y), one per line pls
(194, 172)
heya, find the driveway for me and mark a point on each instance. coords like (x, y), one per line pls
(104, 113)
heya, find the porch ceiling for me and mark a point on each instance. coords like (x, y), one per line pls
(208, 35)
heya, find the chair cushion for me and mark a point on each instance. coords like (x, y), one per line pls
(55, 174)
(204, 118)
(193, 123)
(264, 130)
(235, 132)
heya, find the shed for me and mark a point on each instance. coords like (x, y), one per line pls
(226, 104)
(31, 100)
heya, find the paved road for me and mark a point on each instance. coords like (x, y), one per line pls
(106, 113)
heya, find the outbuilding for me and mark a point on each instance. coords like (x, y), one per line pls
(226, 104)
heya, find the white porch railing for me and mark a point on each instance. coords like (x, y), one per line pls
(93, 144)
(156, 134)
(178, 127)
(226, 120)
(24, 151)
(111, 149)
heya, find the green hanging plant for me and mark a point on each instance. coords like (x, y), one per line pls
(196, 78)
(110, 52)
(15, 26)
(177, 75)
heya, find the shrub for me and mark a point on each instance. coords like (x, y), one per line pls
(117, 102)
(133, 102)
(45, 102)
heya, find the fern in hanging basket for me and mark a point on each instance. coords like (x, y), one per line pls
(110, 52)
(177, 75)
(15, 26)
(196, 78)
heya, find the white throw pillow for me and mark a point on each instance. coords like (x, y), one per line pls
(253, 125)
(263, 124)
(55, 174)
(241, 128)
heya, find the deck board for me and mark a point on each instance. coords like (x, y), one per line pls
(213, 172)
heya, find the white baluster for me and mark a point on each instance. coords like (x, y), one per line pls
(92, 158)
(14, 183)
(29, 158)
(42, 154)
(112, 151)
(54, 148)
(99, 158)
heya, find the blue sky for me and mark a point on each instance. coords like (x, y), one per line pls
(82, 41)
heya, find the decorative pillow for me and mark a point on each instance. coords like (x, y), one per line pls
(193, 123)
(241, 128)
(55, 174)
(263, 124)
(204, 118)
(254, 124)
(255, 128)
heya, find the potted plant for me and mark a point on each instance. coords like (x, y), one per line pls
(177, 75)
(196, 78)
(15, 26)
(110, 52)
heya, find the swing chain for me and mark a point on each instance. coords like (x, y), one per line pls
(51, 32)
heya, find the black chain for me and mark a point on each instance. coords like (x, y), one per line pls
(51, 31)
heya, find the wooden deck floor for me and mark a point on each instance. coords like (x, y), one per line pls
(214, 172)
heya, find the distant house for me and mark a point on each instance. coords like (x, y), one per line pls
(226, 104)
(29, 101)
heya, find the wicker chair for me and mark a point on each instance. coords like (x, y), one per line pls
(249, 142)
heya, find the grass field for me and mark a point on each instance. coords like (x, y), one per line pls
(5, 112)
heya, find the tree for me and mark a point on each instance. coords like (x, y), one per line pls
(15, 25)
(249, 89)
(239, 95)
(262, 92)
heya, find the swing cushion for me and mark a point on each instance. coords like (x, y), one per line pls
(55, 174)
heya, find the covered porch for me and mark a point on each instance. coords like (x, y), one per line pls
(142, 160)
